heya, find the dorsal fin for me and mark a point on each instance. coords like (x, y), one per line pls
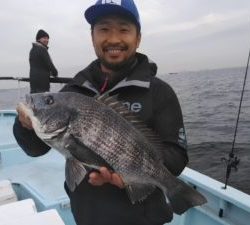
(119, 107)
(112, 102)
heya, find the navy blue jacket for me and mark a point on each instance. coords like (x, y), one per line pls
(157, 105)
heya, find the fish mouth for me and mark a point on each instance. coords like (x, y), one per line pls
(25, 109)
(29, 101)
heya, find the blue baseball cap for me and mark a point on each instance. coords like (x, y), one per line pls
(108, 7)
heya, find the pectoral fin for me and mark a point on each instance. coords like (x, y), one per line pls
(74, 173)
(85, 155)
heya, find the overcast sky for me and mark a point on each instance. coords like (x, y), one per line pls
(178, 35)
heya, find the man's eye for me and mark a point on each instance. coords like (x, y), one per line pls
(124, 30)
(104, 29)
(49, 100)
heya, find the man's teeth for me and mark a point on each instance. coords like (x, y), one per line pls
(114, 50)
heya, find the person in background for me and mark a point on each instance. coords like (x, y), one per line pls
(101, 198)
(41, 65)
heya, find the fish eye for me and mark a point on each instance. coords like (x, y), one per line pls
(49, 100)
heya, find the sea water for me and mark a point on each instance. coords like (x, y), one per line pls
(210, 102)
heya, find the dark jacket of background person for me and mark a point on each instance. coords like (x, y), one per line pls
(157, 105)
(41, 68)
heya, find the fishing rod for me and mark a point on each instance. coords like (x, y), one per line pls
(233, 161)
(52, 79)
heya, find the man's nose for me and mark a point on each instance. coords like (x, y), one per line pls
(114, 36)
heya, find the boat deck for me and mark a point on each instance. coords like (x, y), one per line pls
(46, 171)
(6, 124)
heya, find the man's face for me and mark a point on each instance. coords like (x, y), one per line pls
(44, 41)
(115, 41)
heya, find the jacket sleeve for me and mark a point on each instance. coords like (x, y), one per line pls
(48, 63)
(168, 123)
(28, 140)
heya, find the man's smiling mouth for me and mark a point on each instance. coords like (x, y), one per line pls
(114, 50)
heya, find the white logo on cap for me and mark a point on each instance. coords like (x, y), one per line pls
(117, 2)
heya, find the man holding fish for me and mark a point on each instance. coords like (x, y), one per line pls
(107, 193)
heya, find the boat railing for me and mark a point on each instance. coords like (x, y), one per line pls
(224, 206)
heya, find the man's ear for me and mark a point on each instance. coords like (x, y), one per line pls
(92, 37)
(138, 40)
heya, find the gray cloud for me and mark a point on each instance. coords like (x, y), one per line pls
(177, 34)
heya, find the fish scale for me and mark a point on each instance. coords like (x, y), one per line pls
(120, 146)
(107, 149)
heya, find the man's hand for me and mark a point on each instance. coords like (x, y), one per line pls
(105, 176)
(23, 118)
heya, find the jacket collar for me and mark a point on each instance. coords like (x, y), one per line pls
(121, 84)
(139, 76)
(38, 44)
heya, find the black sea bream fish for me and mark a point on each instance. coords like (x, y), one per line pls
(93, 132)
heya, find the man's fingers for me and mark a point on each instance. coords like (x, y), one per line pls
(26, 122)
(23, 118)
(116, 180)
(106, 174)
(96, 179)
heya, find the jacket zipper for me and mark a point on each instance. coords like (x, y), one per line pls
(104, 86)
